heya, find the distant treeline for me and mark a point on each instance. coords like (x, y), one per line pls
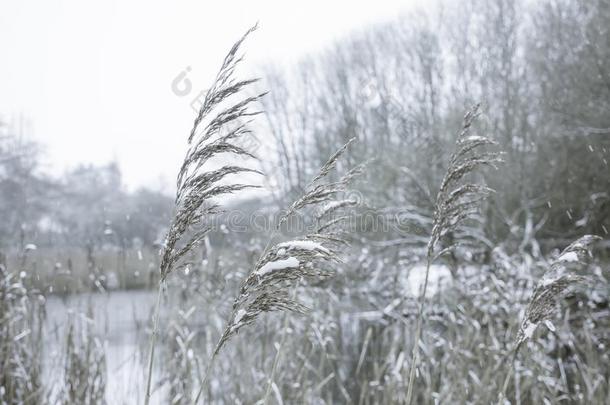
(87, 207)
(542, 73)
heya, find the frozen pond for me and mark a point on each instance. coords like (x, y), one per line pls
(120, 320)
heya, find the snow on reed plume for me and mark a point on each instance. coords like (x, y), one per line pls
(282, 266)
(556, 282)
(223, 118)
(456, 201)
(210, 137)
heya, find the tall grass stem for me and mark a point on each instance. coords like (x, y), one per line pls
(153, 336)
(415, 353)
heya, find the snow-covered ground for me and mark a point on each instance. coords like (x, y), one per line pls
(438, 277)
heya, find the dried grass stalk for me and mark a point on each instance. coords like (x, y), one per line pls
(564, 273)
(22, 315)
(211, 135)
(281, 266)
(85, 370)
(456, 201)
(222, 119)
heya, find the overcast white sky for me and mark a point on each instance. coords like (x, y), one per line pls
(94, 77)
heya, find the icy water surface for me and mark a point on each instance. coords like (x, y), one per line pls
(119, 318)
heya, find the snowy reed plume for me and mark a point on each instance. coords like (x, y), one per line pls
(557, 281)
(222, 119)
(318, 192)
(282, 266)
(554, 284)
(457, 200)
(212, 134)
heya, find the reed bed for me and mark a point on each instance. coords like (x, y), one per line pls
(362, 336)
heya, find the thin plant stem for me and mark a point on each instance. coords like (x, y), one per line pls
(276, 361)
(415, 353)
(313, 195)
(207, 372)
(153, 336)
(511, 367)
(210, 365)
(504, 386)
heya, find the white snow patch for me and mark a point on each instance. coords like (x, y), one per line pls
(281, 264)
(474, 138)
(568, 257)
(239, 315)
(112, 281)
(529, 329)
(303, 245)
(581, 222)
(336, 204)
(438, 278)
(546, 281)
(398, 364)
